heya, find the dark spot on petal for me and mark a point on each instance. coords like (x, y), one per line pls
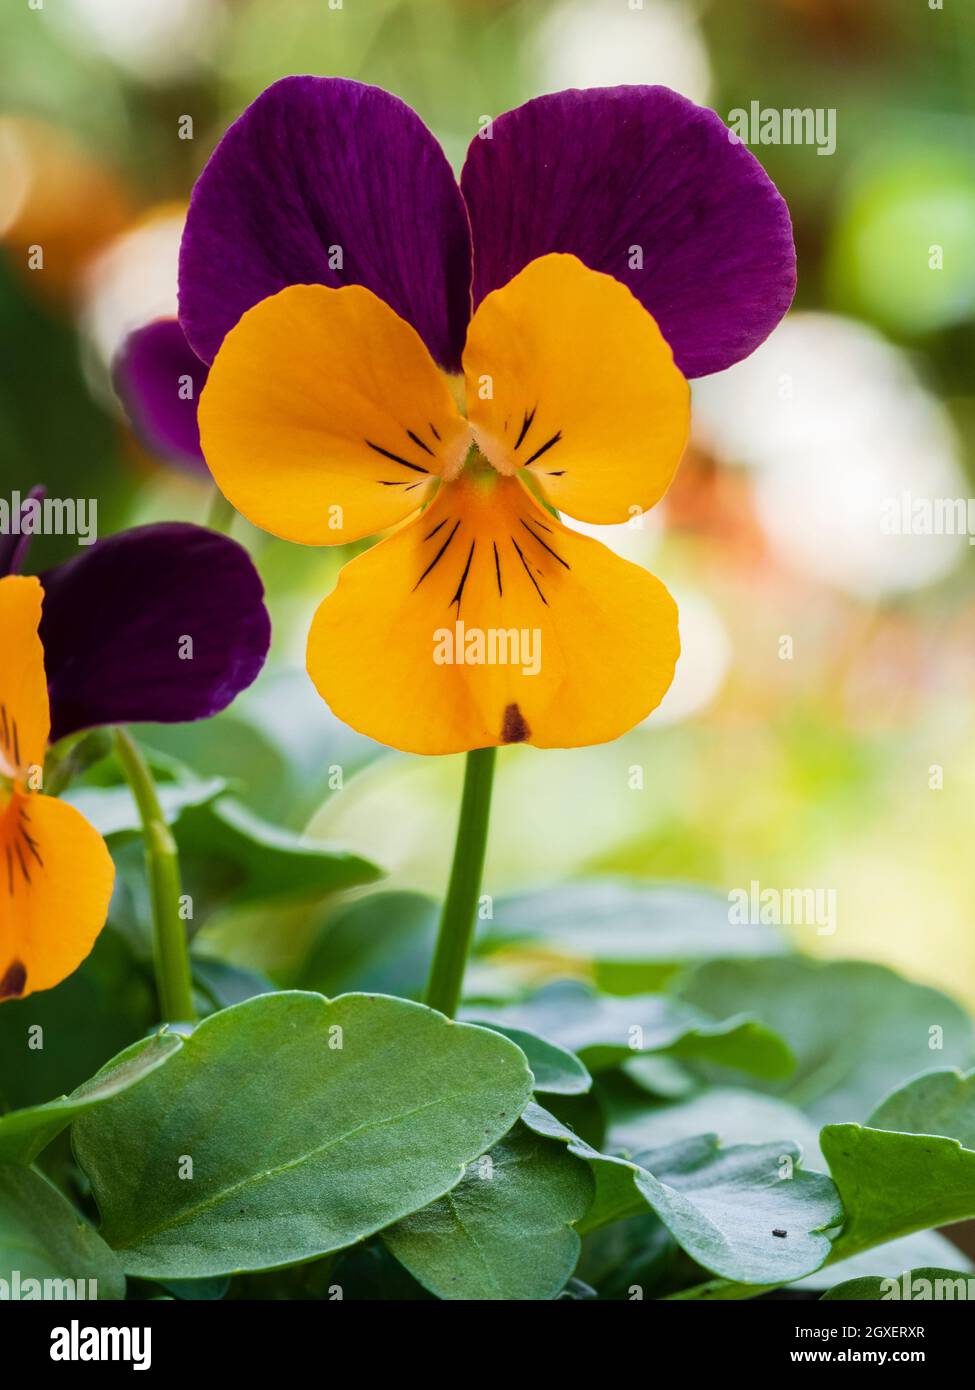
(513, 727)
(779, 1232)
(12, 984)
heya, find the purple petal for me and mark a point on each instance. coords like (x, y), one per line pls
(116, 619)
(159, 379)
(610, 172)
(15, 545)
(314, 168)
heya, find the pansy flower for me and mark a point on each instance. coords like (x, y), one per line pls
(162, 623)
(465, 364)
(158, 378)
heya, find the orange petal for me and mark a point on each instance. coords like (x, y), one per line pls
(25, 718)
(56, 879)
(485, 621)
(324, 418)
(569, 377)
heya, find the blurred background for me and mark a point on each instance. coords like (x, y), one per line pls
(820, 730)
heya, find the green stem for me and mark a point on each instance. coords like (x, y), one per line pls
(460, 906)
(220, 514)
(162, 865)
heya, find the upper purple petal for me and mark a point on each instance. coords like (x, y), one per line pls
(159, 378)
(314, 168)
(612, 174)
(117, 617)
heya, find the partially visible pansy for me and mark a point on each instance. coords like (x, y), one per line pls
(618, 242)
(161, 623)
(56, 873)
(159, 379)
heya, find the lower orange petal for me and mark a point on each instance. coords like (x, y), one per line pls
(486, 621)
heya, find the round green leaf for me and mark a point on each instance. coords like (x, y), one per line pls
(289, 1126)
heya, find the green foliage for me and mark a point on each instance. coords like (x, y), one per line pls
(43, 1237)
(288, 1127)
(24, 1133)
(911, 1166)
(506, 1232)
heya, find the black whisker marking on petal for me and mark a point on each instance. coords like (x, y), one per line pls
(425, 447)
(436, 528)
(23, 867)
(521, 557)
(396, 458)
(463, 579)
(6, 726)
(497, 569)
(16, 743)
(545, 545)
(434, 430)
(544, 449)
(525, 426)
(437, 557)
(542, 525)
(32, 846)
(557, 473)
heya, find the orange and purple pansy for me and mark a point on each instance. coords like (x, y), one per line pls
(465, 363)
(102, 639)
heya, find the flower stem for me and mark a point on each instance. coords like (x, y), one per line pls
(460, 906)
(172, 961)
(220, 513)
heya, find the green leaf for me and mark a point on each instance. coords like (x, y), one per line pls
(638, 934)
(556, 1071)
(506, 1231)
(382, 944)
(921, 1248)
(24, 1133)
(721, 1205)
(43, 1237)
(842, 1071)
(914, 1285)
(734, 1114)
(113, 812)
(893, 1182)
(604, 1030)
(255, 860)
(310, 1124)
(939, 1102)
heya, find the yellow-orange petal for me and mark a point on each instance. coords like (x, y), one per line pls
(569, 377)
(25, 716)
(56, 878)
(562, 643)
(324, 418)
